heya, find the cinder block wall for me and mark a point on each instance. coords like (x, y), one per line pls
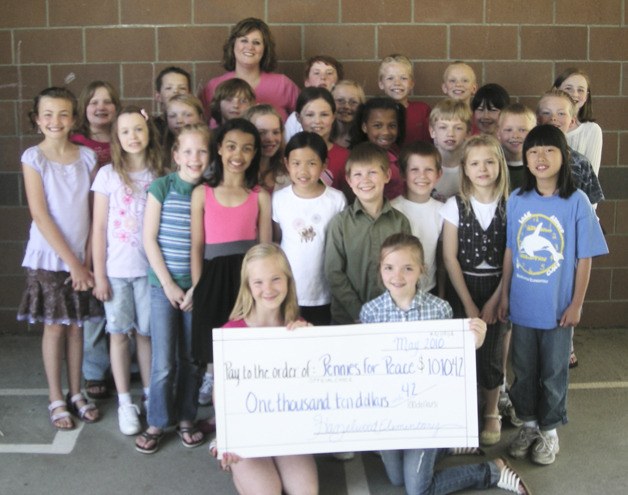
(520, 44)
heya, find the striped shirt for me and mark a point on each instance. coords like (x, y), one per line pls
(174, 236)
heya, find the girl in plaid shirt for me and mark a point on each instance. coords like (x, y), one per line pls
(401, 268)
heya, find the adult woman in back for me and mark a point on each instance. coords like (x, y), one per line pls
(249, 54)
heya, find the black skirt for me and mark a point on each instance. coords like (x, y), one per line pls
(489, 357)
(214, 298)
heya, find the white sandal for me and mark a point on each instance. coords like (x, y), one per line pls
(81, 412)
(60, 415)
(511, 481)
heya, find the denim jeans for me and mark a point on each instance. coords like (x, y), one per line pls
(171, 336)
(415, 469)
(540, 362)
(95, 352)
(129, 306)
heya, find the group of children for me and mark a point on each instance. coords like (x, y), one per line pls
(383, 208)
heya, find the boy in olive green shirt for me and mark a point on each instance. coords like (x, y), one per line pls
(355, 235)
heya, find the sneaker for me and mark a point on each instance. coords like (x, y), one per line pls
(522, 444)
(545, 449)
(511, 414)
(128, 419)
(205, 392)
(504, 400)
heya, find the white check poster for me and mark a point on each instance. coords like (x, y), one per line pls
(345, 388)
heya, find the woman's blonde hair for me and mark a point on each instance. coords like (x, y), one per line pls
(501, 184)
(245, 303)
(152, 154)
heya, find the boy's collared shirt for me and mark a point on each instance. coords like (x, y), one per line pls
(425, 306)
(352, 247)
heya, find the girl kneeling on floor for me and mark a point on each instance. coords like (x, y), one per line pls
(401, 267)
(267, 298)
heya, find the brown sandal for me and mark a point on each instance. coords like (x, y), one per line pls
(149, 438)
(96, 389)
(190, 431)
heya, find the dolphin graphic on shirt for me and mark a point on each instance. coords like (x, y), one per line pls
(533, 243)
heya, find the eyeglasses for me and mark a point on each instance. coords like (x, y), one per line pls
(344, 101)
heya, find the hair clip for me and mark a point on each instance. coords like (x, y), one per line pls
(144, 114)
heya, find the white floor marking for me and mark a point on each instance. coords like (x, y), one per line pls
(594, 385)
(23, 392)
(63, 442)
(356, 477)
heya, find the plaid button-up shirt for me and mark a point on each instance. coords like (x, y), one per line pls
(425, 306)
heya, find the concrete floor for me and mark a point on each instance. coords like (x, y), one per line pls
(97, 459)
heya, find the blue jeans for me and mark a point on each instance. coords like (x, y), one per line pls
(95, 352)
(415, 469)
(129, 306)
(540, 362)
(171, 336)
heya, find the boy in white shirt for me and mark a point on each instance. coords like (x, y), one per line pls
(420, 165)
(450, 125)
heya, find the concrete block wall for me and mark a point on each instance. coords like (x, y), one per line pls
(519, 44)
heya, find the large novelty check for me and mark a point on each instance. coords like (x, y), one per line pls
(345, 388)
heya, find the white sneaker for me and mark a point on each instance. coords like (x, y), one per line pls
(545, 449)
(523, 442)
(128, 419)
(205, 392)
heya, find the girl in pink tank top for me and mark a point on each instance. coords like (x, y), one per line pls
(230, 214)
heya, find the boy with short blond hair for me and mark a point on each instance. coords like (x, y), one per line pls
(355, 235)
(321, 71)
(558, 109)
(420, 166)
(396, 79)
(513, 125)
(450, 126)
(459, 82)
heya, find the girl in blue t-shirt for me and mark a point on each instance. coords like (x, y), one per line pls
(167, 243)
(552, 234)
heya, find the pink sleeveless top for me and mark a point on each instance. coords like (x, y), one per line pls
(230, 229)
